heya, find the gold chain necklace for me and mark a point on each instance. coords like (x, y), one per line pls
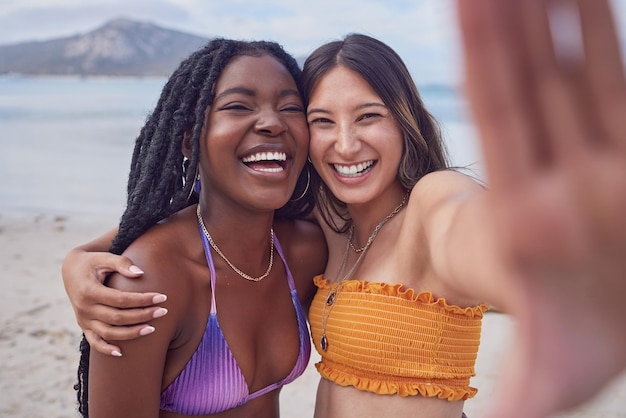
(338, 285)
(232, 266)
(380, 225)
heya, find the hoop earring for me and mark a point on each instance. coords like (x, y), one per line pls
(306, 189)
(196, 184)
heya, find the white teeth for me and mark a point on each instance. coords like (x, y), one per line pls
(265, 156)
(270, 170)
(354, 170)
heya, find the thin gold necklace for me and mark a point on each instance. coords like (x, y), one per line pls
(377, 229)
(232, 266)
(338, 285)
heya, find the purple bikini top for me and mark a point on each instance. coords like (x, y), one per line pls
(211, 381)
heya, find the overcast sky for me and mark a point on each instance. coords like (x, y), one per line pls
(423, 32)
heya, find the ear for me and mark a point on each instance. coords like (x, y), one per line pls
(186, 146)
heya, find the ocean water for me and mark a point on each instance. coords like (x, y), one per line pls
(66, 143)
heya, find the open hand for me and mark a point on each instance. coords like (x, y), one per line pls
(104, 313)
(547, 88)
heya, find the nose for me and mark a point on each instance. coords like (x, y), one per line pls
(347, 143)
(270, 122)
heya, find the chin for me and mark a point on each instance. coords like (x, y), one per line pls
(355, 195)
(271, 200)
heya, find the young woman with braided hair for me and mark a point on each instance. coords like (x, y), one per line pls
(416, 250)
(234, 259)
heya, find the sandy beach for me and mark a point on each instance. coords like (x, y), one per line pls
(39, 337)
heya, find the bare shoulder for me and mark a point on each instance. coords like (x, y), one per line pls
(305, 250)
(435, 217)
(443, 184)
(163, 252)
(440, 188)
(434, 200)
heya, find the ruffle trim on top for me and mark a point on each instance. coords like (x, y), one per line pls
(427, 390)
(399, 290)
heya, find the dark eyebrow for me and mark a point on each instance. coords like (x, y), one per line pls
(308, 113)
(359, 107)
(250, 93)
(373, 104)
(235, 90)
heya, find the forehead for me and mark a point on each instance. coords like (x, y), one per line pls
(249, 71)
(344, 80)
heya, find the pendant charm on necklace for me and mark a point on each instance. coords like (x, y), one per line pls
(324, 342)
(331, 298)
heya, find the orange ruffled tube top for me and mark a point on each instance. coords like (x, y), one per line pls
(386, 339)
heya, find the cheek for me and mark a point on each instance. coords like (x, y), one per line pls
(391, 140)
(223, 131)
(316, 149)
(396, 148)
(302, 135)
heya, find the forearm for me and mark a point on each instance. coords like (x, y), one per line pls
(75, 258)
(101, 312)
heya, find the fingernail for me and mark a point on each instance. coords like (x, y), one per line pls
(159, 299)
(159, 313)
(135, 269)
(116, 353)
(146, 330)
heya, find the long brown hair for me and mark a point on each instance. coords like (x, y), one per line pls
(386, 73)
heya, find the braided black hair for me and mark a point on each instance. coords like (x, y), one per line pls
(161, 180)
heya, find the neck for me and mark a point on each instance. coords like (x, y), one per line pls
(367, 216)
(243, 235)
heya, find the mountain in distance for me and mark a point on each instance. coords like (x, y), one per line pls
(121, 47)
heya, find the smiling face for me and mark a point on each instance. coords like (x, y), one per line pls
(356, 144)
(255, 137)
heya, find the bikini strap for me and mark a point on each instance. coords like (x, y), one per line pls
(209, 259)
(279, 250)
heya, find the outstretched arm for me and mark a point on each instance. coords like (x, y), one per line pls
(551, 111)
(104, 313)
